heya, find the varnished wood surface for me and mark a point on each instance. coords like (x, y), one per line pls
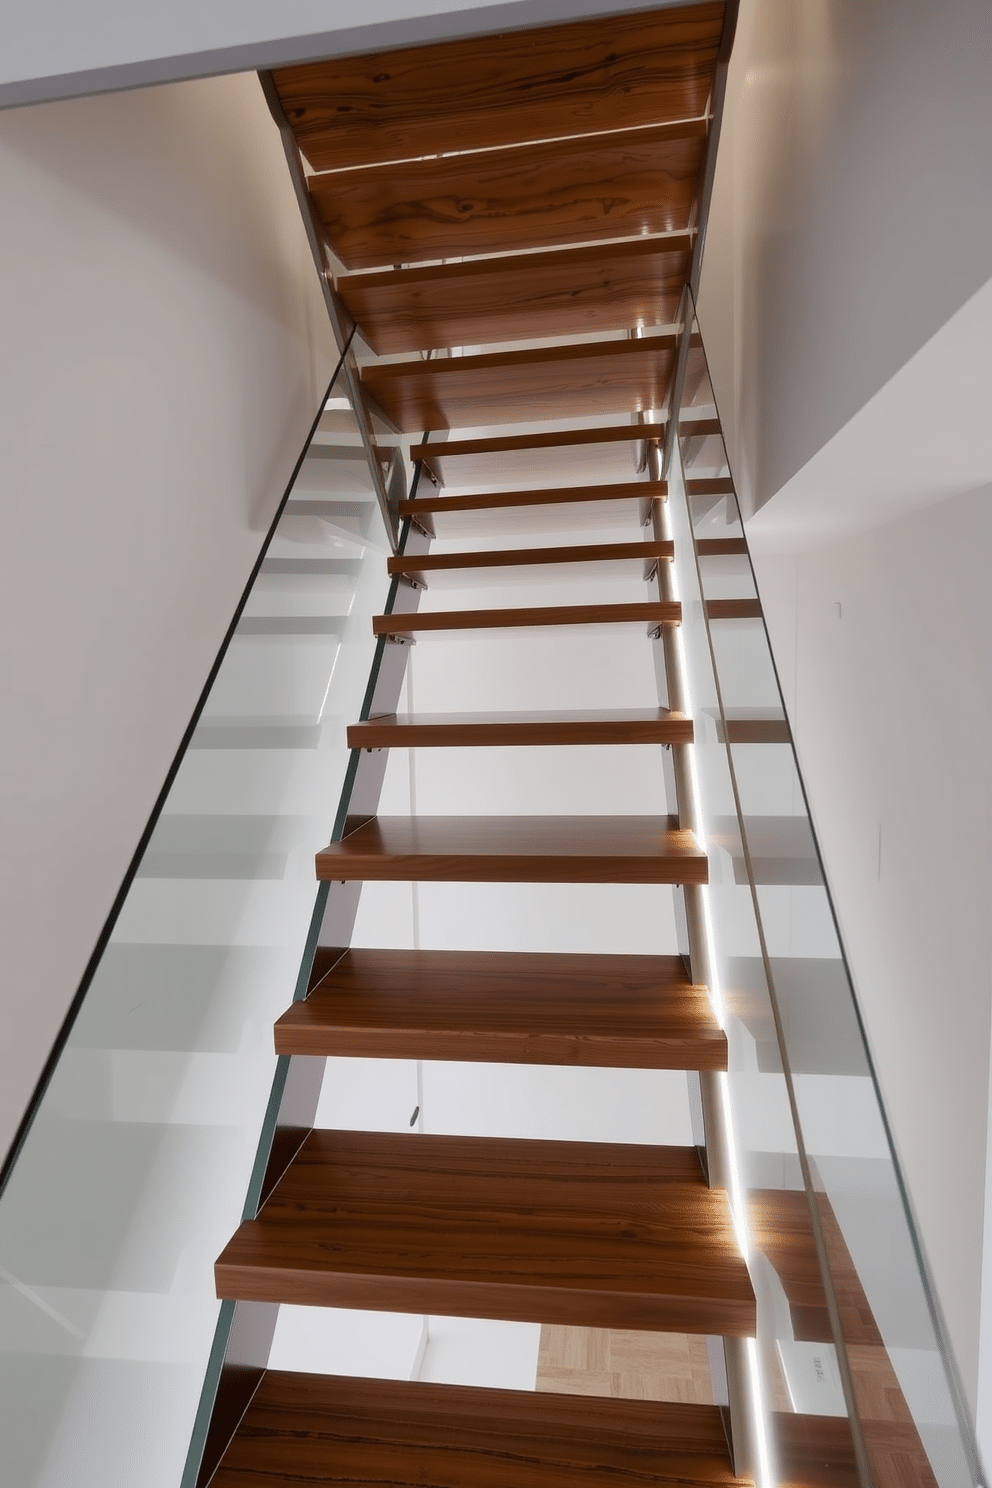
(587, 455)
(598, 726)
(552, 496)
(574, 290)
(634, 1012)
(816, 1451)
(710, 486)
(655, 612)
(516, 849)
(541, 83)
(746, 729)
(733, 609)
(719, 547)
(533, 196)
(310, 1429)
(421, 567)
(596, 377)
(699, 428)
(781, 1226)
(590, 1234)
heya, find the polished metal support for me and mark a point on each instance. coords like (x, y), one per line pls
(717, 1155)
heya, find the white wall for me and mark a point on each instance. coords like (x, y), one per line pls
(882, 641)
(62, 48)
(165, 352)
(852, 212)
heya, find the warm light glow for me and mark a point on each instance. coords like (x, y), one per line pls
(763, 1464)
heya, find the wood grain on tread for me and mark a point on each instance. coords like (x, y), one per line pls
(547, 382)
(598, 726)
(590, 1234)
(553, 496)
(548, 82)
(596, 454)
(516, 849)
(422, 566)
(578, 290)
(781, 1226)
(733, 609)
(530, 196)
(315, 1429)
(655, 612)
(634, 1012)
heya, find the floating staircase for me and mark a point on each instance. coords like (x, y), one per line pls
(557, 195)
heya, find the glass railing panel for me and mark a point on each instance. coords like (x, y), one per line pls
(134, 1172)
(859, 1331)
(800, 1376)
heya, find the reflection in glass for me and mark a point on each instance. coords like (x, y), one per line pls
(854, 1369)
(134, 1172)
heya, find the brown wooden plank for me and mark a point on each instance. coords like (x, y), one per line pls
(733, 609)
(633, 1012)
(599, 726)
(717, 486)
(714, 547)
(516, 849)
(815, 1451)
(552, 496)
(655, 612)
(574, 290)
(423, 566)
(590, 1234)
(753, 726)
(532, 196)
(547, 382)
(780, 1222)
(607, 453)
(781, 1226)
(543, 83)
(320, 1429)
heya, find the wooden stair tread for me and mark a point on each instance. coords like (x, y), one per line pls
(542, 83)
(425, 564)
(539, 195)
(480, 301)
(320, 1429)
(594, 726)
(516, 849)
(655, 612)
(635, 1012)
(593, 448)
(588, 1234)
(733, 609)
(551, 496)
(548, 382)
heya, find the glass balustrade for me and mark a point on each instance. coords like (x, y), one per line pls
(134, 1171)
(854, 1364)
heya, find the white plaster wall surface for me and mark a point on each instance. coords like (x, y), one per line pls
(852, 212)
(164, 353)
(882, 643)
(61, 48)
